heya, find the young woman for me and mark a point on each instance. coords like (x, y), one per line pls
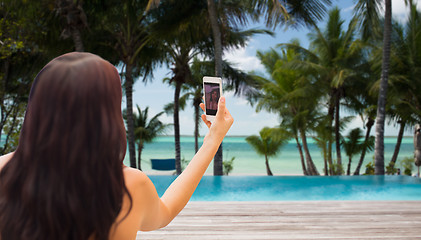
(66, 179)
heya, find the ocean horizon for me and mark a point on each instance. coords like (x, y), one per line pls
(248, 162)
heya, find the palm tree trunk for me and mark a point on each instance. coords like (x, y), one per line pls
(300, 150)
(217, 162)
(337, 133)
(75, 20)
(398, 143)
(369, 125)
(139, 154)
(268, 171)
(381, 103)
(217, 41)
(312, 170)
(129, 110)
(348, 170)
(77, 40)
(326, 170)
(196, 124)
(330, 113)
(216, 32)
(177, 127)
(329, 157)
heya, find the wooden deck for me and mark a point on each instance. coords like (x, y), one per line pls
(294, 220)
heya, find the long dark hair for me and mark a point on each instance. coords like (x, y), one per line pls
(65, 180)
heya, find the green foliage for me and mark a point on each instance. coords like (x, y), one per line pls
(369, 169)
(353, 144)
(337, 168)
(12, 129)
(391, 169)
(302, 82)
(145, 128)
(20, 59)
(228, 165)
(408, 165)
(269, 141)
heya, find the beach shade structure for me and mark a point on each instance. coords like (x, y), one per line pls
(417, 146)
(163, 164)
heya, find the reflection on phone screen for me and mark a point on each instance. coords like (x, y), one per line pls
(212, 93)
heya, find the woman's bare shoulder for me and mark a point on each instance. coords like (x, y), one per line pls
(5, 159)
(135, 178)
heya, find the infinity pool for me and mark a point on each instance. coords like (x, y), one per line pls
(300, 188)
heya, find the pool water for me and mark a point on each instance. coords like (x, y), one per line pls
(300, 188)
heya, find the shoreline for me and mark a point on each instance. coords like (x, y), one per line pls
(237, 136)
(171, 173)
(248, 163)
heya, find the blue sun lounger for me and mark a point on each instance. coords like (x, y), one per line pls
(163, 164)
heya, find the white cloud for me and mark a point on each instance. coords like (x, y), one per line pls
(234, 100)
(350, 8)
(400, 11)
(253, 124)
(244, 60)
(241, 102)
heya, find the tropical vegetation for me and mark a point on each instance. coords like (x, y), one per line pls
(146, 129)
(268, 143)
(368, 67)
(307, 88)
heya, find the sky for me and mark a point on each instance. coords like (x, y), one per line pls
(155, 94)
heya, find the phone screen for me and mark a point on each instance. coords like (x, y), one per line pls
(212, 94)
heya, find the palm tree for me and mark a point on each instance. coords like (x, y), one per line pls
(145, 129)
(361, 101)
(381, 104)
(74, 20)
(185, 27)
(324, 137)
(334, 59)
(191, 90)
(353, 145)
(128, 27)
(268, 143)
(220, 14)
(339, 56)
(370, 112)
(276, 13)
(183, 32)
(404, 78)
(369, 10)
(292, 95)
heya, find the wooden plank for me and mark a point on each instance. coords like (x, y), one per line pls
(294, 220)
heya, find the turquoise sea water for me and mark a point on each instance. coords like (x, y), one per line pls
(301, 188)
(247, 161)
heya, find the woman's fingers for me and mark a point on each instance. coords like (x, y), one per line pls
(223, 112)
(206, 121)
(202, 106)
(223, 116)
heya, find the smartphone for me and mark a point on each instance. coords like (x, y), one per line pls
(212, 87)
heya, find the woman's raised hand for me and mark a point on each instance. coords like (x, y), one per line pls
(223, 120)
